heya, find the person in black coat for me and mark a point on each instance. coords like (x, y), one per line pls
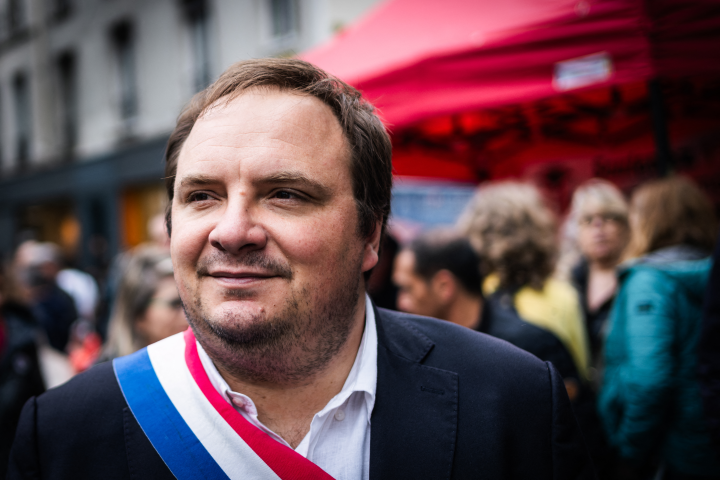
(20, 374)
(280, 179)
(492, 411)
(37, 265)
(438, 275)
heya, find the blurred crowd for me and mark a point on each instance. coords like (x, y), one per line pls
(621, 296)
(618, 296)
(57, 321)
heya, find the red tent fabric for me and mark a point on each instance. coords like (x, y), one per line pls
(416, 59)
(554, 91)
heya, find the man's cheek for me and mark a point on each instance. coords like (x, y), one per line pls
(319, 239)
(186, 244)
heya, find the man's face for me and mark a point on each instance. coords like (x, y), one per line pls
(265, 242)
(416, 294)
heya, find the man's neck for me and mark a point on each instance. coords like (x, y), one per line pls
(465, 310)
(288, 409)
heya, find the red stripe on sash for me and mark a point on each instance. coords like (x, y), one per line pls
(283, 460)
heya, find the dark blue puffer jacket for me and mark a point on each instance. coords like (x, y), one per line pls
(650, 400)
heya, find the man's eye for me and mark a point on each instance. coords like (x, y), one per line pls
(285, 195)
(198, 197)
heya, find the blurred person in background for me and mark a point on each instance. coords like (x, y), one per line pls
(381, 288)
(147, 307)
(83, 289)
(84, 344)
(438, 275)
(650, 399)
(36, 266)
(157, 233)
(515, 235)
(599, 216)
(20, 373)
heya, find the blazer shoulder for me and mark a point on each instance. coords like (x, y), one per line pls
(508, 410)
(447, 346)
(84, 429)
(96, 387)
(84, 411)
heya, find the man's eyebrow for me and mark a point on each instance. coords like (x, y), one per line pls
(197, 180)
(290, 177)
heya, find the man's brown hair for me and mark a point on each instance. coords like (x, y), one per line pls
(671, 211)
(369, 144)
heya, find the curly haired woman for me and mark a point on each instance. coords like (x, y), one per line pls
(515, 235)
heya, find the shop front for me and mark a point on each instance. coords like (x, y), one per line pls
(92, 209)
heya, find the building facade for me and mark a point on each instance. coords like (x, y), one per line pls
(90, 90)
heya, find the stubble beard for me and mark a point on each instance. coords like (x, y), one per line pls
(288, 348)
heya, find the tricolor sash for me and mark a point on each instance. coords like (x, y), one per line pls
(196, 432)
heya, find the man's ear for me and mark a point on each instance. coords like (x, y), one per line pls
(168, 218)
(445, 286)
(371, 255)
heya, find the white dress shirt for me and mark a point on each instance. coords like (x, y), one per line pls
(339, 436)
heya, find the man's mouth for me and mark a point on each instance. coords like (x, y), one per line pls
(253, 267)
(240, 278)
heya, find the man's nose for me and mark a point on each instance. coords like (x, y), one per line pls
(238, 228)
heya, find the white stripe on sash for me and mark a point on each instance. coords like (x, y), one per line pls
(231, 453)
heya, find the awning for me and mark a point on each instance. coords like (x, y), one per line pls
(555, 91)
(416, 59)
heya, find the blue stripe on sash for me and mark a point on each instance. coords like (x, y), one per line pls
(163, 425)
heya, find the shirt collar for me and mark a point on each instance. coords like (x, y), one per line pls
(362, 377)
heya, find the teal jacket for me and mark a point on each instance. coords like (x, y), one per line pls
(650, 399)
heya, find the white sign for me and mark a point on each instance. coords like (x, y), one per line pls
(582, 71)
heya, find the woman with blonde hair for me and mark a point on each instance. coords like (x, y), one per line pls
(147, 307)
(515, 235)
(598, 220)
(650, 400)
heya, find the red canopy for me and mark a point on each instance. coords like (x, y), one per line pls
(555, 91)
(416, 59)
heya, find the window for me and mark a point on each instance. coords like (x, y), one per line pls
(16, 16)
(23, 125)
(60, 9)
(284, 17)
(124, 50)
(197, 17)
(67, 89)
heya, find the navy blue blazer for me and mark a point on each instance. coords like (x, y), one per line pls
(451, 403)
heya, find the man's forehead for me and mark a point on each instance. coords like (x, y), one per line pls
(272, 132)
(287, 117)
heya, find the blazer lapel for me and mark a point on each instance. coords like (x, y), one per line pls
(414, 421)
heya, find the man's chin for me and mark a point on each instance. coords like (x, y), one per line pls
(259, 295)
(243, 323)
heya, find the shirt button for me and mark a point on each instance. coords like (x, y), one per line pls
(239, 402)
(339, 415)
